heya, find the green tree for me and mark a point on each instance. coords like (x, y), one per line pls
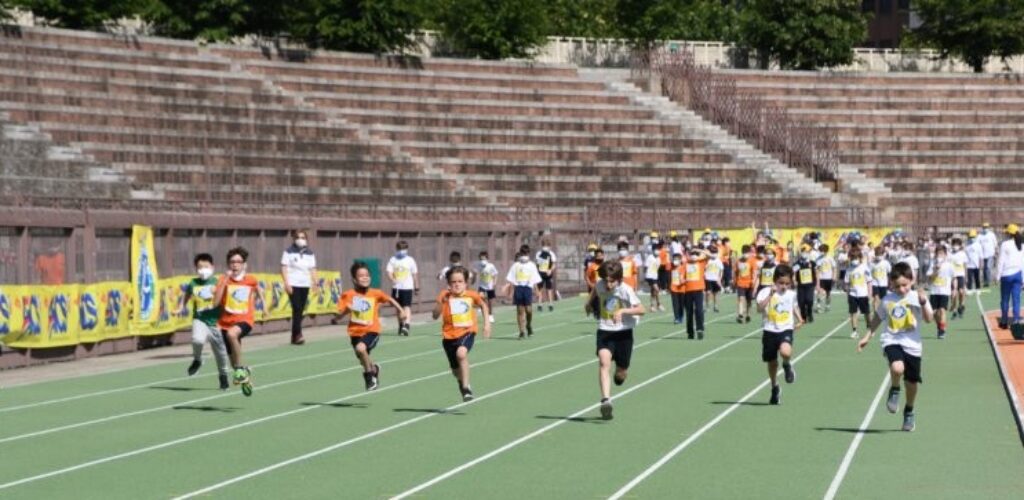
(646, 22)
(582, 18)
(803, 34)
(80, 14)
(216, 19)
(972, 30)
(493, 29)
(5, 14)
(357, 25)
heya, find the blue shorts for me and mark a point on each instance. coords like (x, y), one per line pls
(451, 346)
(523, 296)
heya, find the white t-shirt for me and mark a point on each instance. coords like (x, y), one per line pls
(880, 273)
(1011, 260)
(988, 244)
(651, 266)
(403, 270)
(713, 270)
(444, 271)
(858, 277)
(609, 301)
(676, 248)
(520, 274)
(902, 317)
(973, 251)
(299, 263)
(487, 275)
(959, 261)
(546, 262)
(779, 315)
(941, 279)
(826, 268)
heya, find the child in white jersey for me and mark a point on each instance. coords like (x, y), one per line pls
(959, 260)
(940, 280)
(487, 274)
(858, 293)
(713, 270)
(880, 268)
(778, 304)
(900, 315)
(826, 267)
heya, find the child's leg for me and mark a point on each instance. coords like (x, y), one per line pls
(363, 356)
(785, 351)
(911, 396)
(521, 317)
(773, 371)
(200, 332)
(677, 306)
(689, 310)
(220, 352)
(940, 319)
(896, 373)
(853, 321)
(462, 372)
(604, 363)
(698, 309)
(655, 298)
(408, 314)
(529, 317)
(1015, 289)
(1004, 299)
(234, 345)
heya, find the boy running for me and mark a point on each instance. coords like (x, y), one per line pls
(362, 304)
(940, 278)
(858, 294)
(236, 293)
(405, 279)
(778, 304)
(959, 261)
(651, 267)
(806, 273)
(205, 314)
(546, 263)
(880, 269)
(746, 271)
(826, 275)
(713, 278)
(900, 315)
(457, 308)
(619, 309)
(488, 276)
(521, 280)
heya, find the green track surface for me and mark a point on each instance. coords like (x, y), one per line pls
(386, 442)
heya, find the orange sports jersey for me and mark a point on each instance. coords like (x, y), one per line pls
(694, 276)
(726, 254)
(629, 271)
(677, 283)
(363, 310)
(239, 303)
(591, 274)
(745, 269)
(458, 313)
(665, 259)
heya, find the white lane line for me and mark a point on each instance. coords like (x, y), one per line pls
(721, 416)
(555, 424)
(837, 480)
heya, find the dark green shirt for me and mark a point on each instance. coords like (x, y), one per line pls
(203, 307)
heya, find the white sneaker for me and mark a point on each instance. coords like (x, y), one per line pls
(853, 334)
(491, 318)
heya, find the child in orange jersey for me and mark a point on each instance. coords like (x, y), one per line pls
(457, 308)
(236, 292)
(362, 304)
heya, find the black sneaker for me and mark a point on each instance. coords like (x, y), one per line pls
(909, 422)
(700, 334)
(522, 335)
(776, 395)
(551, 308)
(739, 319)
(960, 311)
(790, 373)
(224, 384)
(606, 409)
(747, 320)
(529, 331)
(942, 334)
(619, 380)
(467, 394)
(893, 403)
(194, 367)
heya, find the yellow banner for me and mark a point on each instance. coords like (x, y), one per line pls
(103, 311)
(48, 316)
(144, 277)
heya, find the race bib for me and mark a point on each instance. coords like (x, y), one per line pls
(744, 269)
(401, 273)
(901, 319)
(692, 272)
(544, 265)
(879, 274)
(677, 277)
(959, 267)
(826, 267)
(939, 281)
(609, 306)
(857, 279)
(767, 275)
(486, 279)
(627, 269)
(237, 299)
(778, 313)
(522, 275)
(806, 277)
(363, 310)
(462, 312)
(204, 298)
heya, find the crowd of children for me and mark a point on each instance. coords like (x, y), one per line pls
(890, 288)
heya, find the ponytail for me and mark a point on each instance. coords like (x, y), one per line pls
(1018, 239)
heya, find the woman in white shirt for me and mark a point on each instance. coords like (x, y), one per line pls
(1008, 272)
(298, 269)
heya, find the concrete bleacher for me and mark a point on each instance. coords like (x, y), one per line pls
(934, 140)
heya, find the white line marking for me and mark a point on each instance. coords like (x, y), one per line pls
(837, 480)
(696, 435)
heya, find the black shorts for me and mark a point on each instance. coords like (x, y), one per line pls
(651, 282)
(859, 304)
(451, 346)
(712, 286)
(522, 296)
(842, 275)
(404, 297)
(825, 285)
(546, 282)
(620, 344)
(771, 342)
(939, 301)
(745, 293)
(367, 339)
(487, 294)
(911, 364)
(879, 291)
(664, 275)
(960, 283)
(246, 329)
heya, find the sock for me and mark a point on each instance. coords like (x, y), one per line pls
(908, 410)
(894, 389)
(604, 400)
(785, 364)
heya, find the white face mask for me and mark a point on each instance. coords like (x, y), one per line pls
(854, 263)
(300, 242)
(205, 272)
(524, 259)
(483, 262)
(402, 253)
(623, 253)
(545, 249)
(676, 262)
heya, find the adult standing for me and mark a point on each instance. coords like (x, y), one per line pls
(1009, 273)
(298, 269)
(988, 250)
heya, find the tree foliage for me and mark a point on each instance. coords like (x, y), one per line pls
(803, 34)
(582, 18)
(357, 25)
(80, 14)
(494, 29)
(648, 21)
(215, 19)
(972, 30)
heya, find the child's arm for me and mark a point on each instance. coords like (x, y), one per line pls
(416, 283)
(873, 325)
(798, 316)
(637, 310)
(763, 304)
(588, 306)
(259, 295)
(218, 293)
(926, 307)
(436, 313)
(486, 313)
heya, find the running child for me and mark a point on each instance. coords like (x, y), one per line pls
(630, 265)
(959, 260)
(826, 275)
(806, 272)
(454, 259)
(766, 268)
(457, 308)
(546, 264)
(713, 278)
(778, 304)
(940, 279)
(236, 293)
(405, 279)
(205, 314)
(590, 275)
(880, 269)
(746, 272)
(900, 316)
(488, 276)
(521, 280)
(677, 287)
(858, 294)
(618, 314)
(651, 267)
(362, 304)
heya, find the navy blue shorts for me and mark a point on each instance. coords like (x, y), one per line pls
(825, 285)
(487, 294)
(879, 291)
(523, 296)
(452, 345)
(246, 329)
(368, 339)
